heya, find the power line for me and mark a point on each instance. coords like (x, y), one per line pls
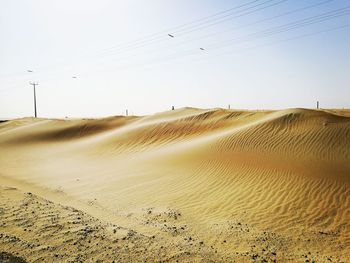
(157, 62)
(264, 33)
(240, 27)
(199, 26)
(289, 26)
(229, 17)
(275, 30)
(189, 53)
(260, 21)
(268, 32)
(283, 40)
(163, 32)
(240, 14)
(233, 12)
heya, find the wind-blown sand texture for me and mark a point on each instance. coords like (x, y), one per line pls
(185, 185)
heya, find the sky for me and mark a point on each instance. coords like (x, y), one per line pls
(262, 54)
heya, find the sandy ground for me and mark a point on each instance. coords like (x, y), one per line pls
(188, 185)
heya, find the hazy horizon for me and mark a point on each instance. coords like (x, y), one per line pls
(259, 54)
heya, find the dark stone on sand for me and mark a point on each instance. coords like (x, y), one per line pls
(9, 258)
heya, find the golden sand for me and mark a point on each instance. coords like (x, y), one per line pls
(185, 185)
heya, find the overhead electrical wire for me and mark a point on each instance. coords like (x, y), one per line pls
(280, 41)
(229, 17)
(177, 44)
(267, 32)
(278, 29)
(199, 26)
(293, 25)
(166, 31)
(163, 34)
(149, 64)
(258, 21)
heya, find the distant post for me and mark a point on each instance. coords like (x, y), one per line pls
(126, 112)
(34, 84)
(318, 104)
(229, 106)
(172, 108)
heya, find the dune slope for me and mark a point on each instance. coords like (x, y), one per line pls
(186, 185)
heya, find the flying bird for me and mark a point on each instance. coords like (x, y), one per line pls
(202, 48)
(74, 77)
(28, 70)
(170, 35)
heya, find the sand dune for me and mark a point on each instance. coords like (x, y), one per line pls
(187, 185)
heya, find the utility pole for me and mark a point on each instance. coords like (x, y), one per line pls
(318, 105)
(34, 84)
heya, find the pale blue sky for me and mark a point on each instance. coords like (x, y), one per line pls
(247, 61)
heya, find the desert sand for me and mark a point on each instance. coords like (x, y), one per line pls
(189, 185)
